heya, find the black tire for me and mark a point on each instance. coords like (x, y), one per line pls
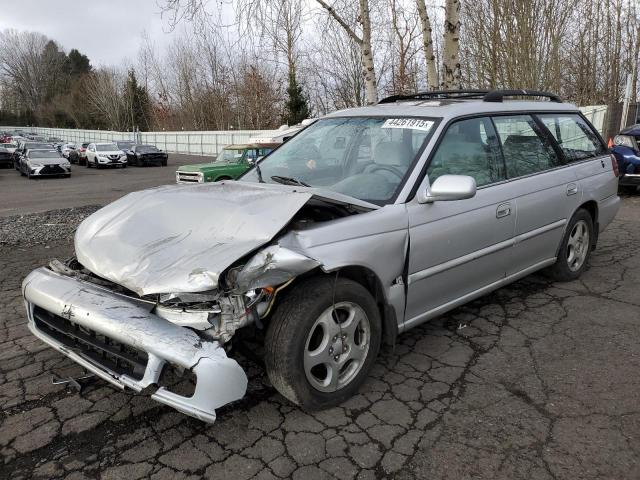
(561, 270)
(627, 189)
(164, 163)
(286, 339)
(139, 162)
(96, 164)
(87, 163)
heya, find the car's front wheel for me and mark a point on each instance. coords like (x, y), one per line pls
(322, 341)
(575, 248)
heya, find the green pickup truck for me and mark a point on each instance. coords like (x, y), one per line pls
(229, 165)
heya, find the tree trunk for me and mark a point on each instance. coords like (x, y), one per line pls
(451, 49)
(366, 52)
(368, 67)
(427, 42)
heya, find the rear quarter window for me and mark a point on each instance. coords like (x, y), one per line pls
(574, 135)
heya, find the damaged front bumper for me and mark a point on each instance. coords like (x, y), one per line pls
(125, 344)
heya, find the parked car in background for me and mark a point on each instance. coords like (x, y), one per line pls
(10, 146)
(66, 148)
(25, 145)
(125, 145)
(233, 161)
(142, 155)
(6, 160)
(626, 148)
(105, 155)
(40, 163)
(82, 153)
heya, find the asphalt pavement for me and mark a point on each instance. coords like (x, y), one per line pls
(86, 186)
(538, 380)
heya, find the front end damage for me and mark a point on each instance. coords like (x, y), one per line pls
(128, 327)
(128, 344)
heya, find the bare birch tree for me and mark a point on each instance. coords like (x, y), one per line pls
(451, 48)
(364, 43)
(427, 45)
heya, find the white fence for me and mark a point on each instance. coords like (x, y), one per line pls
(194, 143)
(212, 142)
(597, 115)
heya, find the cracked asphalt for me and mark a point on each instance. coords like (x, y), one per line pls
(538, 380)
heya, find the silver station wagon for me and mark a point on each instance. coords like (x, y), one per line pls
(368, 222)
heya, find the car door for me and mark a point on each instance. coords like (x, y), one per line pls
(547, 191)
(585, 154)
(460, 249)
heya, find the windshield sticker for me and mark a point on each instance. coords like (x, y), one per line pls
(412, 123)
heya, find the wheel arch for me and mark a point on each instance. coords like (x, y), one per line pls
(371, 282)
(591, 206)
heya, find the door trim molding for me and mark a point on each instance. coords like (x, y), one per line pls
(423, 317)
(496, 247)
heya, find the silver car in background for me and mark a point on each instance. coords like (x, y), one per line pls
(368, 222)
(44, 163)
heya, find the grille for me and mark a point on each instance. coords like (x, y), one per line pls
(52, 170)
(189, 177)
(114, 157)
(105, 351)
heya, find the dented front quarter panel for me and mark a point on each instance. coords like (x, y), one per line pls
(376, 240)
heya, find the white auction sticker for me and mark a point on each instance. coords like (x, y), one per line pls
(412, 123)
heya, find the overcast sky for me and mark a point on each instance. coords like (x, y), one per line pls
(107, 31)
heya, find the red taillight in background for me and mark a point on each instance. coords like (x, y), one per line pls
(614, 165)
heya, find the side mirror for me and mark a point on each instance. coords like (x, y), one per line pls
(449, 187)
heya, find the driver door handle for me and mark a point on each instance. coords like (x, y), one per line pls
(503, 210)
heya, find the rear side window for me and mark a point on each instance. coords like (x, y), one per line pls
(525, 150)
(469, 147)
(574, 136)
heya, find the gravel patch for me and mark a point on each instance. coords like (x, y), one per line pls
(43, 228)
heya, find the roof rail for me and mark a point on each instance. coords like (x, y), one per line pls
(498, 95)
(485, 95)
(436, 95)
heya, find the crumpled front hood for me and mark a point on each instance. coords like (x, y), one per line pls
(180, 238)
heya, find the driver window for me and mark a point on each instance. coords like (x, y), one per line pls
(469, 147)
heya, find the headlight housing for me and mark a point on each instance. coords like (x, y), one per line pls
(625, 141)
(269, 267)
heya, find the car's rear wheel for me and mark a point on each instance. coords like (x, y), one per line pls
(322, 341)
(575, 248)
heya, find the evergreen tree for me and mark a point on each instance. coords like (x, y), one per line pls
(78, 63)
(138, 102)
(297, 107)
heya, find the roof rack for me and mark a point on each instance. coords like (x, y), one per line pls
(485, 95)
(498, 95)
(436, 95)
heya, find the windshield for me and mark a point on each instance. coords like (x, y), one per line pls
(125, 144)
(146, 149)
(366, 158)
(230, 155)
(37, 145)
(43, 154)
(106, 147)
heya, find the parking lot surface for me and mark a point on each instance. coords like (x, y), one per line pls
(87, 186)
(535, 381)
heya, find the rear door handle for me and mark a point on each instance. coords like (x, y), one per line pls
(503, 210)
(572, 189)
